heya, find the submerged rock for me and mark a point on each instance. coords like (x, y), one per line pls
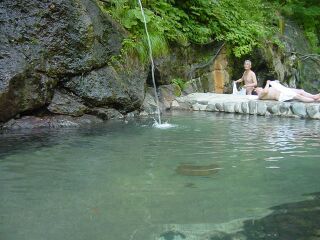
(172, 235)
(197, 170)
(56, 121)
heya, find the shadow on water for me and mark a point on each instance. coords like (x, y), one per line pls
(14, 141)
(290, 221)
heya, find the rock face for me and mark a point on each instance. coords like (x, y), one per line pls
(63, 103)
(108, 87)
(45, 43)
(106, 113)
(220, 75)
(291, 67)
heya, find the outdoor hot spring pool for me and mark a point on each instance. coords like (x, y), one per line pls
(118, 181)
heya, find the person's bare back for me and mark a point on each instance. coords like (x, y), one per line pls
(271, 94)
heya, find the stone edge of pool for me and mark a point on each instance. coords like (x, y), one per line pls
(229, 103)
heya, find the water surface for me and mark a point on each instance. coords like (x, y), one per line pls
(117, 181)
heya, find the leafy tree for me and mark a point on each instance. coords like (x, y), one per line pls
(243, 25)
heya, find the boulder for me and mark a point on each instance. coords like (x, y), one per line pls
(21, 91)
(211, 108)
(237, 107)
(228, 107)
(299, 109)
(106, 113)
(199, 107)
(313, 111)
(261, 108)
(43, 42)
(284, 108)
(110, 87)
(149, 105)
(67, 104)
(244, 107)
(252, 107)
(167, 93)
(273, 108)
(219, 107)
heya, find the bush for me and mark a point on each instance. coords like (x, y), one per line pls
(243, 25)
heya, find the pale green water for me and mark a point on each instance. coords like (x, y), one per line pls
(117, 181)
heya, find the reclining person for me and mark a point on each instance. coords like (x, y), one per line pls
(275, 91)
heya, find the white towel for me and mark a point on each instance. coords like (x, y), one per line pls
(236, 92)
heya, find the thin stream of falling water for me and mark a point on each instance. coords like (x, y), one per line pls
(152, 62)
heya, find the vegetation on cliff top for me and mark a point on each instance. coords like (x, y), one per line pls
(307, 14)
(241, 24)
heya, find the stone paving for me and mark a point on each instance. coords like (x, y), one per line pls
(245, 105)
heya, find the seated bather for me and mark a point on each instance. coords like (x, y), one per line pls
(249, 78)
(275, 91)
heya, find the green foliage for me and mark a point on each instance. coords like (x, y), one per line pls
(243, 25)
(179, 82)
(307, 14)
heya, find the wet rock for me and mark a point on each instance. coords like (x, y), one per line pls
(106, 113)
(284, 108)
(67, 104)
(167, 93)
(228, 107)
(56, 121)
(237, 108)
(211, 108)
(40, 44)
(219, 107)
(199, 107)
(299, 109)
(261, 108)
(132, 114)
(172, 235)
(274, 108)
(194, 170)
(149, 105)
(180, 106)
(108, 87)
(313, 111)
(244, 107)
(175, 105)
(189, 88)
(252, 107)
(21, 91)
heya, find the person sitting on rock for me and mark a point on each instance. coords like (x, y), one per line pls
(249, 78)
(275, 91)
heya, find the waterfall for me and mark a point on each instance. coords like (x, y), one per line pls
(152, 62)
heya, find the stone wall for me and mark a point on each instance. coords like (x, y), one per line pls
(245, 105)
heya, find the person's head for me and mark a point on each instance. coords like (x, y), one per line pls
(258, 90)
(247, 65)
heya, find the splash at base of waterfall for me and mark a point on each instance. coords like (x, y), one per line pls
(164, 125)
